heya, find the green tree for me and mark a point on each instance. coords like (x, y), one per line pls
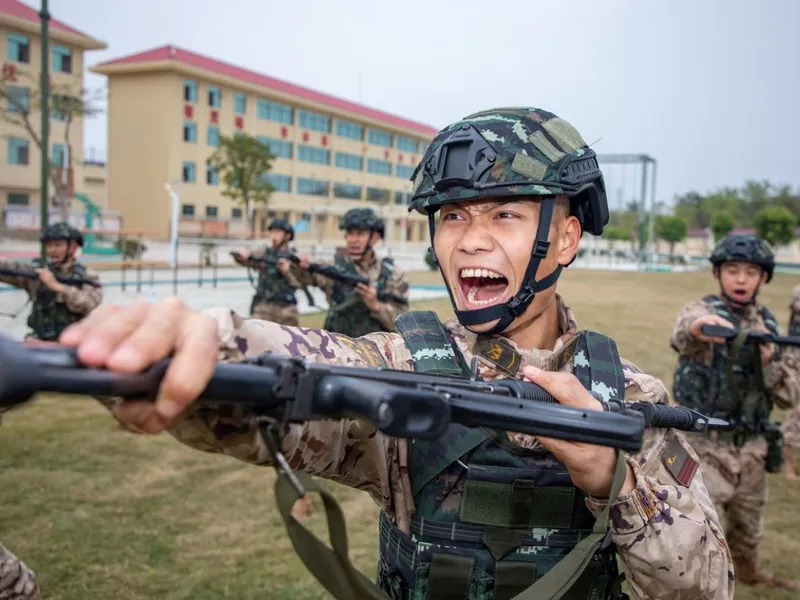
(775, 224)
(672, 230)
(243, 163)
(20, 106)
(722, 223)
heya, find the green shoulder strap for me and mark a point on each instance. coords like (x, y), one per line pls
(432, 349)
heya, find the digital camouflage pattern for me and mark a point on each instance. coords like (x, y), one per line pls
(362, 218)
(347, 313)
(668, 535)
(736, 477)
(528, 143)
(52, 312)
(274, 296)
(791, 426)
(746, 248)
(61, 231)
(17, 581)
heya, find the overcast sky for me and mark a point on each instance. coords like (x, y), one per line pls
(709, 88)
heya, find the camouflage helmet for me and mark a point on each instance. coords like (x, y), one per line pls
(61, 231)
(511, 152)
(362, 218)
(283, 225)
(745, 248)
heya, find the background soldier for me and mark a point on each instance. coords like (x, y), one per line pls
(362, 309)
(741, 387)
(274, 299)
(791, 427)
(55, 304)
(476, 513)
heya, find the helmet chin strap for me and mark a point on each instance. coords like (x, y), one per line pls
(519, 303)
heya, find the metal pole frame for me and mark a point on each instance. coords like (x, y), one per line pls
(645, 220)
(44, 19)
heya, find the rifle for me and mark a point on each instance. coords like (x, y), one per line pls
(399, 403)
(758, 337)
(31, 274)
(329, 271)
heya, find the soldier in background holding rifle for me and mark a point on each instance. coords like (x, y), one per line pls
(356, 310)
(738, 382)
(791, 426)
(274, 299)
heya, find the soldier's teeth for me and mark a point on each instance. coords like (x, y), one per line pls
(473, 300)
(481, 273)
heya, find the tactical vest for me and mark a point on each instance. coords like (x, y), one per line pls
(491, 517)
(348, 314)
(732, 388)
(49, 318)
(272, 286)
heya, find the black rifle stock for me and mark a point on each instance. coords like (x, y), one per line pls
(31, 274)
(759, 337)
(399, 403)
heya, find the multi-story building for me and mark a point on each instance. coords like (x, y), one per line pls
(168, 107)
(20, 157)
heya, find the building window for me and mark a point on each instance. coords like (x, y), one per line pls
(236, 214)
(346, 190)
(403, 171)
(401, 197)
(19, 48)
(59, 152)
(279, 148)
(212, 176)
(189, 132)
(379, 167)
(187, 210)
(62, 59)
(407, 144)
(312, 187)
(313, 155)
(190, 91)
(349, 161)
(378, 195)
(18, 151)
(18, 99)
(213, 135)
(57, 114)
(272, 111)
(239, 103)
(380, 138)
(354, 131)
(280, 183)
(314, 121)
(211, 212)
(17, 199)
(214, 97)
(189, 172)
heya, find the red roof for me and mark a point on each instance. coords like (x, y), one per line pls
(23, 11)
(221, 68)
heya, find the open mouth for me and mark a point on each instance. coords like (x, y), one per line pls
(482, 287)
(741, 295)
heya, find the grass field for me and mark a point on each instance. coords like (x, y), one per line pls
(100, 513)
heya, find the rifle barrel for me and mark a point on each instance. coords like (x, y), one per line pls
(759, 337)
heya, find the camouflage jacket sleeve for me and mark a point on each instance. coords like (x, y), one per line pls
(306, 278)
(389, 308)
(782, 377)
(23, 283)
(667, 530)
(684, 342)
(81, 299)
(348, 451)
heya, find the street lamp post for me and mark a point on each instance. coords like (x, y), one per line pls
(44, 18)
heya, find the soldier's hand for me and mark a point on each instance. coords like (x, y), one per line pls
(590, 467)
(369, 296)
(767, 350)
(128, 339)
(694, 328)
(283, 266)
(47, 277)
(302, 261)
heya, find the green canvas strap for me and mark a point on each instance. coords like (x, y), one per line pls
(561, 578)
(432, 349)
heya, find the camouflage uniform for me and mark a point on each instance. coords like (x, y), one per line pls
(17, 581)
(347, 313)
(665, 532)
(52, 312)
(791, 426)
(735, 469)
